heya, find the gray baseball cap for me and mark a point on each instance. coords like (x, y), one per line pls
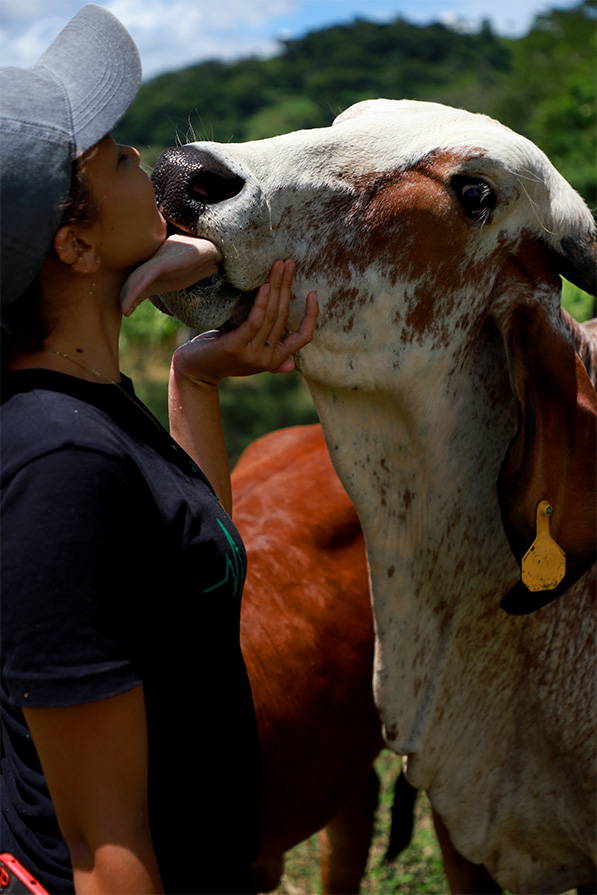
(49, 115)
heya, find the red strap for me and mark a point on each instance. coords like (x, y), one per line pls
(21, 873)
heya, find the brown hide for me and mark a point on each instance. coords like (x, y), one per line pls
(306, 633)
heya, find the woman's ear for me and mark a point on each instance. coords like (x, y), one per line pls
(74, 251)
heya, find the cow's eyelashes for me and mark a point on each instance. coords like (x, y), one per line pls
(476, 196)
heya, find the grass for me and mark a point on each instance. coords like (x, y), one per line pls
(417, 871)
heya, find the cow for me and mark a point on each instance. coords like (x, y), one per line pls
(307, 639)
(459, 415)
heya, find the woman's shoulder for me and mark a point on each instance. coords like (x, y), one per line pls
(43, 412)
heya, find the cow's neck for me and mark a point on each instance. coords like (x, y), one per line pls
(417, 488)
(420, 465)
(420, 457)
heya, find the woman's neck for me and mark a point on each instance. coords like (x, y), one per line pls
(83, 327)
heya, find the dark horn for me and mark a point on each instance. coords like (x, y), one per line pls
(579, 264)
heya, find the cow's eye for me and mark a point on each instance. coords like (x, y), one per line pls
(476, 196)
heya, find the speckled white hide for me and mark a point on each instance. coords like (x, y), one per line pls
(435, 323)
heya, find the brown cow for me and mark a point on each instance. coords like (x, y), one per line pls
(307, 636)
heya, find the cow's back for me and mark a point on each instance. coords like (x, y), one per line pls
(306, 631)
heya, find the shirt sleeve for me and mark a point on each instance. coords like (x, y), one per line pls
(70, 526)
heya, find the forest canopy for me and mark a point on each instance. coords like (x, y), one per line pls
(541, 85)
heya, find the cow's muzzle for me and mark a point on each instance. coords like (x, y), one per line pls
(186, 180)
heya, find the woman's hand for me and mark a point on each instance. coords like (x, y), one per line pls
(253, 347)
(257, 344)
(179, 262)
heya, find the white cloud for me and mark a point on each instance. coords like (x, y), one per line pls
(170, 34)
(177, 33)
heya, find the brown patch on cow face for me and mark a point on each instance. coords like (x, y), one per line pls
(401, 232)
(409, 226)
(412, 214)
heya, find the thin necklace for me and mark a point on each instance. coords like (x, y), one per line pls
(99, 375)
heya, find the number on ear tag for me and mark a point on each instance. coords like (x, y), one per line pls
(544, 564)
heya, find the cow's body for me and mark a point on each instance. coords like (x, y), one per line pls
(307, 638)
(440, 351)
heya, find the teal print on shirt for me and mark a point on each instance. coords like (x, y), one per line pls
(236, 566)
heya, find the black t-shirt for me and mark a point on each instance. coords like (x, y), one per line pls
(120, 568)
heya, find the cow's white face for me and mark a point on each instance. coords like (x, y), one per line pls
(402, 211)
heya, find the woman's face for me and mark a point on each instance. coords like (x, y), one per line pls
(129, 227)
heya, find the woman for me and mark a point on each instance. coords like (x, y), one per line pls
(130, 749)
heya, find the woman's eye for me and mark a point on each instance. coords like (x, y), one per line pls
(476, 197)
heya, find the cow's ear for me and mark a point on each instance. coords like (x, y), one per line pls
(546, 487)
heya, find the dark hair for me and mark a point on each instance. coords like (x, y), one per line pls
(23, 325)
(80, 207)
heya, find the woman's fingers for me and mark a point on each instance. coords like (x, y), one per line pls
(276, 317)
(257, 344)
(280, 290)
(301, 337)
(268, 316)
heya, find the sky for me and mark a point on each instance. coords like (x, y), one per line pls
(173, 34)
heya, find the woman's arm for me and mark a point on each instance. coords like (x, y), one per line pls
(199, 366)
(94, 759)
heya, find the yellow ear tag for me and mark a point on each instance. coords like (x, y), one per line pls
(544, 564)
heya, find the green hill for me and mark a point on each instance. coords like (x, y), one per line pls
(542, 85)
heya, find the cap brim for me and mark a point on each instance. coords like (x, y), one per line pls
(96, 60)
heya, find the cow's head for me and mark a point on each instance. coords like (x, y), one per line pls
(417, 224)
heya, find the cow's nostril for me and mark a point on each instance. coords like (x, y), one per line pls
(210, 187)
